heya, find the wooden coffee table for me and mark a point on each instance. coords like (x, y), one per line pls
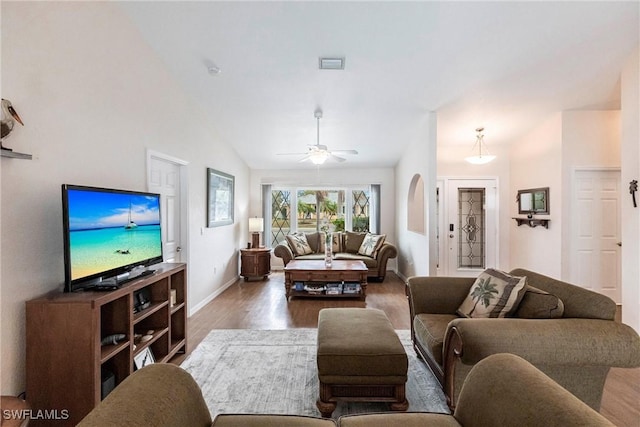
(314, 272)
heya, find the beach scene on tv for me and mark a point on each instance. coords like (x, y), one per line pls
(111, 230)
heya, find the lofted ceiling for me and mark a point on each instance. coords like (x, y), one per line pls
(501, 65)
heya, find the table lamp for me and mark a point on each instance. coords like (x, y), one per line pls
(256, 226)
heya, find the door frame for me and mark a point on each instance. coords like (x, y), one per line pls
(442, 185)
(184, 196)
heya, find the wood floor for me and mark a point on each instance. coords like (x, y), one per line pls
(262, 305)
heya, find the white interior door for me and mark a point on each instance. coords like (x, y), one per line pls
(469, 231)
(595, 254)
(164, 178)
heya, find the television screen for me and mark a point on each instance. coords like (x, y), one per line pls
(108, 232)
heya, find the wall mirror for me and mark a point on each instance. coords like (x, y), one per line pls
(533, 201)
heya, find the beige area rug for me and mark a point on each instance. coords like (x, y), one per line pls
(274, 371)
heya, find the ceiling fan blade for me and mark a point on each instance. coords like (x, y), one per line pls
(291, 154)
(305, 158)
(336, 158)
(344, 151)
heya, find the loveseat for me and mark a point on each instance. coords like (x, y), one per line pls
(502, 390)
(566, 331)
(346, 246)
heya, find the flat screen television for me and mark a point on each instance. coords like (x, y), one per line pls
(107, 234)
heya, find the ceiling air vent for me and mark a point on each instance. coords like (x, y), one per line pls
(331, 63)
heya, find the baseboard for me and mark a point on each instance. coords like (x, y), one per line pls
(208, 299)
(401, 276)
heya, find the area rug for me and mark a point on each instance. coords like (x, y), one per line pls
(274, 371)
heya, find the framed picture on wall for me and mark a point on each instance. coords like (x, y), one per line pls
(220, 188)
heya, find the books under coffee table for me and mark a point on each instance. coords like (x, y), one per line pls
(311, 278)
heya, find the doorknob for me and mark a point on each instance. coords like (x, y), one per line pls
(451, 236)
(178, 249)
(619, 244)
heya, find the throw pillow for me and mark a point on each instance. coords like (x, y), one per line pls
(352, 241)
(538, 304)
(493, 294)
(371, 244)
(299, 244)
(314, 240)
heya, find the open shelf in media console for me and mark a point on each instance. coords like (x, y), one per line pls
(110, 350)
(137, 317)
(156, 336)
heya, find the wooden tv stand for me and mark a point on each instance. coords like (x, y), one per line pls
(65, 358)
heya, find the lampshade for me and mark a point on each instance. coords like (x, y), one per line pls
(256, 225)
(480, 158)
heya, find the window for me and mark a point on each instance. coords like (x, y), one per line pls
(281, 215)
(314, 206)
(361, 208)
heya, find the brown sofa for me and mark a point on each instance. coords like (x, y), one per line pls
(348, 243)
(502, 390)
(576, 350)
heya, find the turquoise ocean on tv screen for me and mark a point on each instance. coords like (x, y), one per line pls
(98, 250)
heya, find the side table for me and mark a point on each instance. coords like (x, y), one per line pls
(255, 262)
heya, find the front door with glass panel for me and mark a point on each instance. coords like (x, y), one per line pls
(469, 230)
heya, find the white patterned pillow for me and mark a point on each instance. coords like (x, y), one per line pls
(371, 244)
(299, 244)
(493, 294)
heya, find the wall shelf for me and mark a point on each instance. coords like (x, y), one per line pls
(15, 155)
(533, 222)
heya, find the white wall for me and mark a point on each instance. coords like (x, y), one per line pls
(325, 175)
(416, 252)
(547, 157)
(590, 139)
(93, 97)
(630, 135)
(536, 162)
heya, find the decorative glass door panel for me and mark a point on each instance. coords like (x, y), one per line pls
(471, 228)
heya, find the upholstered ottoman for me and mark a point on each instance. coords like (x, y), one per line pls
(360, 358)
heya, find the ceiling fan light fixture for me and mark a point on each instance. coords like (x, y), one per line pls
(318, 157)
(480, 159)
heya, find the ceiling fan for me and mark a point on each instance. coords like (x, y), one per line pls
(319, 153)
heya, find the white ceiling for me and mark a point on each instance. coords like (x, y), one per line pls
(501, 65)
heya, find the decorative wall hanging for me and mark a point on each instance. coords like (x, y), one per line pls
(8, 121)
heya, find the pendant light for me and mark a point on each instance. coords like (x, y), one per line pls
(480, 158)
